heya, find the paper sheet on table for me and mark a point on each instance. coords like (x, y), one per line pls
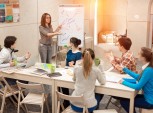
(113, 79)
(9, 70)
(65, 71)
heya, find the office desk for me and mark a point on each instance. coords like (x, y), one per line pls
(25, 74)
(113, 89)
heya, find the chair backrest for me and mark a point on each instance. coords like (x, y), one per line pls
(70, 98)
(5, 83)
(37, 87)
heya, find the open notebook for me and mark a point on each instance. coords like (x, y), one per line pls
(112, 77)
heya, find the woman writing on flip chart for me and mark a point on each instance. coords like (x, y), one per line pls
(46, 34)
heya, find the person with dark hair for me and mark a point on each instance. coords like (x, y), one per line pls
(7, 56)
(127, 59)
(46, 34)
(85, 78)
(7, 53)
(74, 54)
(144, 82)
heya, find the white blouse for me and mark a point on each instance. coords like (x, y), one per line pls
(6, 57)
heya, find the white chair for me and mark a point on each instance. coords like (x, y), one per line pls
(38, 98)
(61, 96)
(146, 110)
(7, 91)
(105, 111)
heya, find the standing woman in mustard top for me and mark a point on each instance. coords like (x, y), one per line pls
(46, 34)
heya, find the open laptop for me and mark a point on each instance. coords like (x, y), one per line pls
(30, 62)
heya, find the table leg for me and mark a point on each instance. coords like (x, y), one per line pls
(131, 108)
(53, 98)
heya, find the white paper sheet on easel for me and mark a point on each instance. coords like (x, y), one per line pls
(71, 17)
(113, 79)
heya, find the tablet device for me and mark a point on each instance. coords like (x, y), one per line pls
(56, 74)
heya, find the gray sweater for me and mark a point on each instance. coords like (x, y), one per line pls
(46, 40)
(86, 86)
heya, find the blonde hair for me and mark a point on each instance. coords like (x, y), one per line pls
(88, 57)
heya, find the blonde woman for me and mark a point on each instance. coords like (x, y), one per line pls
(85, 78)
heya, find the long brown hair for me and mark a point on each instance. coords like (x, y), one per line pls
(43, 20)
(88, 57)
(148, 55)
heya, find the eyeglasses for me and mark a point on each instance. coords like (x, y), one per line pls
(117, 44)
(47, 17)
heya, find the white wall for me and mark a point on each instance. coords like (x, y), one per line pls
(138, 23)
(112, 15)
(133, 15)
(27, 29)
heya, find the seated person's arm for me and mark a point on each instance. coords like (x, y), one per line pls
(3, 57)
(4, 65)
(120, 66)
(49, 35)
(116, 65)
(131, 73)
(71, 64)
(74, 77)
(23, 58)
(78, 57)
(144, 79)
(117, 59)
(101, 77)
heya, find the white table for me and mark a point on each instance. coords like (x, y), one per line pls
(113, 89)
(25, 74)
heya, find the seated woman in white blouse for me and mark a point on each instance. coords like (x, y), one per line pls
(85, 78)
(7, 53)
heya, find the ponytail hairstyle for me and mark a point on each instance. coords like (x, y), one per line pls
(76, 42)
(148, 55)
(88, 57)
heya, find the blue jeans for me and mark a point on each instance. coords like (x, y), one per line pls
(11, 81)
(98, 98)
(139, 102)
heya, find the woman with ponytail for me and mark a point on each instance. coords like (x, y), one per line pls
(144, 82)
(85, 78)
